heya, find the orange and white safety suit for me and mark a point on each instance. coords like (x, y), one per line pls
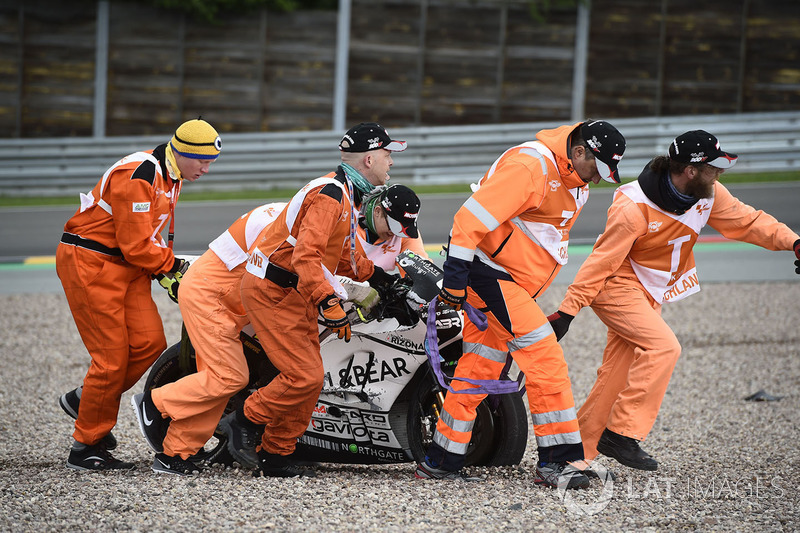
(110, 248)
(643, 259)
(290, 271)
(509, 240)
(212, 311)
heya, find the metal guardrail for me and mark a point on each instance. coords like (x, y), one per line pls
(765, 142)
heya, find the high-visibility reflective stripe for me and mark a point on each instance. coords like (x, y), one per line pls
(564, 415)
(458, 448)
(527, 232)
(545, 236)
(460, 252)
(530, 148)
(484, 258)
(87, 200)
(559, 438)
(535, 153)
(530, 338)
(480, 212)
(486, 352)
(462, 426)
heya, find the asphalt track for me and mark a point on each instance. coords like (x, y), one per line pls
(29, 236)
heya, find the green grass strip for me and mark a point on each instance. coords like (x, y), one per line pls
(284, 194)
(49, 262)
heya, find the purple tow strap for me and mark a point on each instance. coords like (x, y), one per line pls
(482, 386)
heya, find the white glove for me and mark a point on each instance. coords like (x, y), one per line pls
(360, 293)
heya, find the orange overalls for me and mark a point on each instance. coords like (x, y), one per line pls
(510, 238)
(211, 306)
(109, 250)
(290, 271)
(644, 258)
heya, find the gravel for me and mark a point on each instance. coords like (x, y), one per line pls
(726, 464)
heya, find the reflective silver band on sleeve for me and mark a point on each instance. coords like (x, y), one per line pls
(480, 212)
(105, 206)
(460, 252)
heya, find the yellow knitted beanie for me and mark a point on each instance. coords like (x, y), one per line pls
(196, 139)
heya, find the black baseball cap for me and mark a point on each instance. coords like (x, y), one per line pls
(402, 209)
(369, 136)
(698, 146)
(607, 145)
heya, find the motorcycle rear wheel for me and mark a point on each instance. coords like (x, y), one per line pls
(499, 436)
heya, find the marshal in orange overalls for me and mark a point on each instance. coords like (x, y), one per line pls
(644, 259)
(110, 248)
(511, 236)
(290, 271)
(212, 311)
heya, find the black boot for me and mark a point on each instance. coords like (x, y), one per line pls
(625, 450)
(272, 465)
(243, 437)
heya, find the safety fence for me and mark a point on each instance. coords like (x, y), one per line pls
(765, 142)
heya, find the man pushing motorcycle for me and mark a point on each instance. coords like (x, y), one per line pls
(178, 418)
(290, 280)
(508, 242)
(316, 224)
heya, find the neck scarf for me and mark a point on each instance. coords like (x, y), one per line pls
(360, 182)
(662, 192)
(172, 165)
(175, 182)
(681, 201)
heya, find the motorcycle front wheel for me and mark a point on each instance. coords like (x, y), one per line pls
(499, 436)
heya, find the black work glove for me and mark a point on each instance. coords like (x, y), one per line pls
(381, 281)
(796, 248)
(455, 298)
(560, 323)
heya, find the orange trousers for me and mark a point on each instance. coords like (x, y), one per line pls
(113, 308)
(516, 325)
(286, 325)
(640, 355)
(212, 312)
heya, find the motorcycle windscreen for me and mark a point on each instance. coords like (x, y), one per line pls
(426, 275)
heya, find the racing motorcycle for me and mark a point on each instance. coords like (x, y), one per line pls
(381, 398)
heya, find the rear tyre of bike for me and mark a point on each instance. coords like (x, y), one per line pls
(499, 436)
(169, 368)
